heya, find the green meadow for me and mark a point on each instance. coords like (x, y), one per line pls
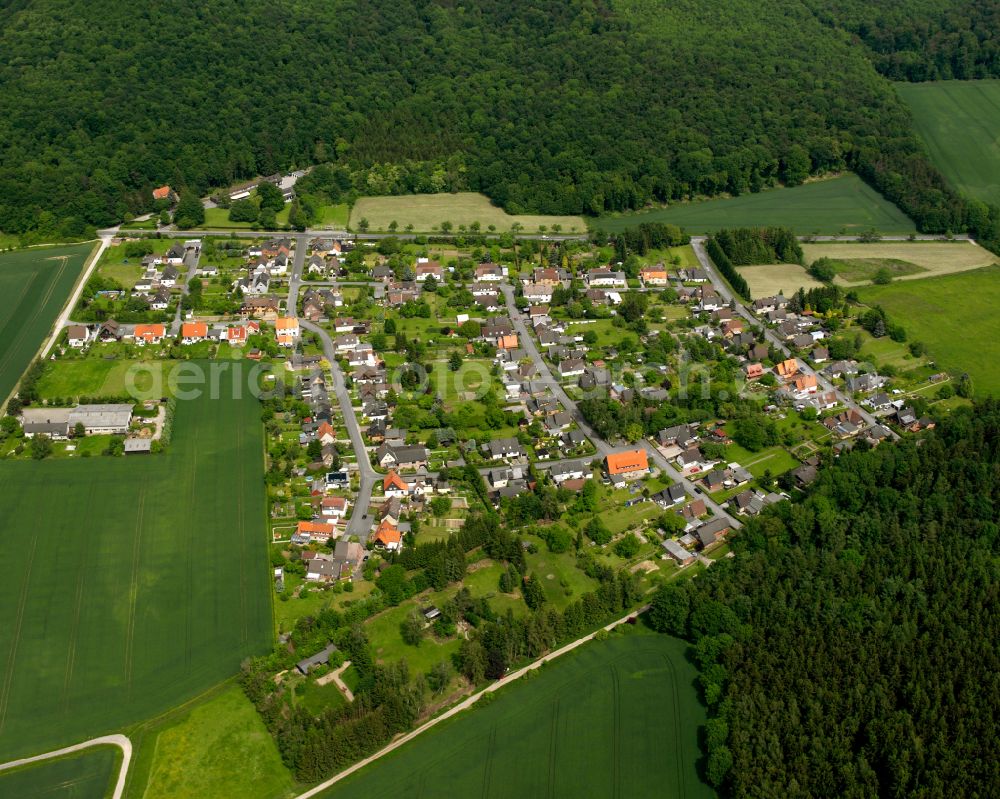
(843, 204)
(958, 121)
(955, 316)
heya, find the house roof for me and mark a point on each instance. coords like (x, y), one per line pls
(287, 323)
(161, 193)
(387, 533)
(194, 330)
(320, 528)
(633, 460)
(149, 331)
(393, 479)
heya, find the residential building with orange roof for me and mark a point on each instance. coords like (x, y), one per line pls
(629, 465)
(237, 335)
(507, 342)
(334, 507)
(315, 531)
(654, 275)
(395, 486)
(149, 334)
(162, 193)
(788, 368)
(326, 434)
(193, 332)
(754, 370)
(805, 384)
(388, 535)
(287, 328)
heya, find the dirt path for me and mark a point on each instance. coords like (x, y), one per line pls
(120, 741)
(464, 705)
(335, 677)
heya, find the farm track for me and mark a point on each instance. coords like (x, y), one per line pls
(189, 570)
(678, 750)
(553, 750)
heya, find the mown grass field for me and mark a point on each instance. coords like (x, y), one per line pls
(955, 316)
(219, 748)
(616, 718)
(931, 258)
(766, 280)
(35, 285)
(145, 584)
(426, 212)
(958, 121)
(87, 775)
(842, 204)
(99, 377)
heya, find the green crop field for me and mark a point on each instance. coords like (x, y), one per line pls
(88, 775)
(958, 121)
(824, 207)
(35, 284)
(955, 316)
(145, 584)
(616, 718)
(426, 212)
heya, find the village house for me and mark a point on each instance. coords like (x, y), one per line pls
(627, 465)
(149, 334)
(193, 332)
(287, 331)
(77, 336)
(654, 275)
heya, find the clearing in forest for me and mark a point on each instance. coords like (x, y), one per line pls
(427, 212)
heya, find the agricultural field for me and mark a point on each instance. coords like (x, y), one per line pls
(87, 775)
(35, 284)
(100, 377)
(856, 262)
(144, 585)
(958, 119)
(843, 204)
(426, 212)
(217, 747)
(581, 727)
(954, 316)
(766, 280)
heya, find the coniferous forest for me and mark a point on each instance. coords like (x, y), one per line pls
(544, 105)
(852, 647)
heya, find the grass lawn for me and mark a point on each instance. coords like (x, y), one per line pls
(87, 775)
(955, 317)
(882, 351)
(615, 718)
(36, 283)
(427, 211)
(958, 119)
(828, 207)
(220, 748)
(906, 260)
(97, 377)
(316, 698)
(564, 582)
(621, 518)
(333, 216)
(114, 264)
(767, 280)
(388, 644)
(146, 583)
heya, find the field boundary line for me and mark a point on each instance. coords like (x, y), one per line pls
(16, 639)
(678, 749)
(616, 723)
(466, 704)
(553, 739)
(121, 741)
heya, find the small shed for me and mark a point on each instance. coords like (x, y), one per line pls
(138, 446)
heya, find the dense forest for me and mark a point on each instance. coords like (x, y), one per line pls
(922, 40)
(852, 647)
(544, 105)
